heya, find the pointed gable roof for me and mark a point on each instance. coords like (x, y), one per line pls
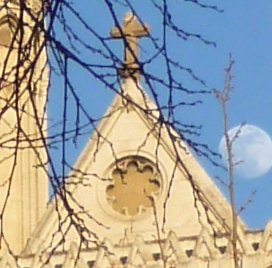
(130, 128)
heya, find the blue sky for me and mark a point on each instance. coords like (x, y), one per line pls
(244, 30)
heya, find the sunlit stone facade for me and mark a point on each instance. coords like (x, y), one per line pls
(138, 197)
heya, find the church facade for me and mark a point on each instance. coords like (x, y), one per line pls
(136, 196)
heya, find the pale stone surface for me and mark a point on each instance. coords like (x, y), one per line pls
(23, 191)
(123, 239)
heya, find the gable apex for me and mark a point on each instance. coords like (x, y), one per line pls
(130, 143)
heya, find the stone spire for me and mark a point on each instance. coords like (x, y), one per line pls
(130, 31)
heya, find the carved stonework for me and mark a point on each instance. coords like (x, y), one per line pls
(130, 32)
(5, 36)
(135, 185)
(6, 94)
(6, 33)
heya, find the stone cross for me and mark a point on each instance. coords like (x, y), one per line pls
(130, 31)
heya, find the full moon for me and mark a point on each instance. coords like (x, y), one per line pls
(251, 149)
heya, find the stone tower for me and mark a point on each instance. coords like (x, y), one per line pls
(23, 88)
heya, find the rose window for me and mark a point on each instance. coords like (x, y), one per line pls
(134, 187)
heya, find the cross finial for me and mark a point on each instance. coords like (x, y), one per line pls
(130, 31)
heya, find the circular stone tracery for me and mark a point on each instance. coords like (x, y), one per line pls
(135, 185)
(7, 30)
(5, 36)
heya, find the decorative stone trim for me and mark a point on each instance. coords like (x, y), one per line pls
(135, 185)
